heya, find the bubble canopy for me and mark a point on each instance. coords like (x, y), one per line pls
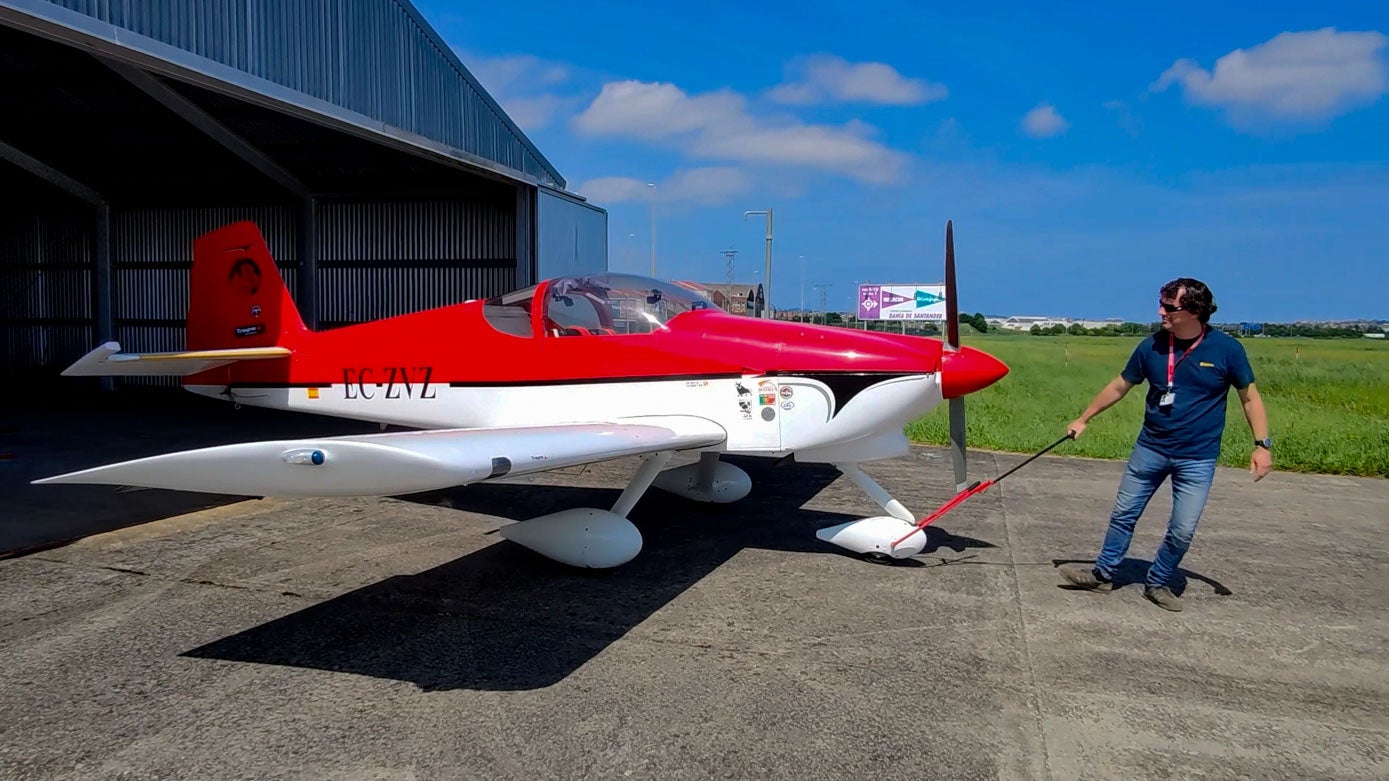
(595, 305)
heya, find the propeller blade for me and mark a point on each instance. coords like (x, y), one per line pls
(952, 342)
(957, 441)
(952, 302)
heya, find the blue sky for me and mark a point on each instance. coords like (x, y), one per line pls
(1087, 153)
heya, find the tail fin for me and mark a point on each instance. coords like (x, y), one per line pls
(237, 298)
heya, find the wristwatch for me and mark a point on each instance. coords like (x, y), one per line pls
(1266, 443)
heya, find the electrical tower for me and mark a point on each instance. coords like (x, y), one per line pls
(728, 275)
(823, 307)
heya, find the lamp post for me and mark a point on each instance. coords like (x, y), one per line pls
(653, 228)
(767, 282)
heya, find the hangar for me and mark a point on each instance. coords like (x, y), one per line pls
(384, 177)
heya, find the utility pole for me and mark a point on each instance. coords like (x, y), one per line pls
(767, 278)
(728, 255)
(822, 287)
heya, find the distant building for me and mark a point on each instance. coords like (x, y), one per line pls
(1025, 322)
(733, 298)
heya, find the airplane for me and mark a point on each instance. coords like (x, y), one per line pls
(570, 371)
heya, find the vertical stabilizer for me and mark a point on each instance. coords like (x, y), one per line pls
(237, 298)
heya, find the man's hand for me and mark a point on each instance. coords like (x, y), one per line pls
(1260, 463)
(1075, 428)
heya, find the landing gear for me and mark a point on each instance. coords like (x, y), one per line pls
(880, 538)
(587, 537)
(709, 480)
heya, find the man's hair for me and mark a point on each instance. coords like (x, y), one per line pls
(1197, 300)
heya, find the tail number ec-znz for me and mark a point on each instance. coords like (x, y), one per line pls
(397, 382)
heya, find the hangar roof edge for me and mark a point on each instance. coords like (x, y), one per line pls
(102, 38)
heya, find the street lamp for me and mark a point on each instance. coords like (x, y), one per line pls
(766, 283)
(653, 228)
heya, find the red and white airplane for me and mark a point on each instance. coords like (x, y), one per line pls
(570, 371)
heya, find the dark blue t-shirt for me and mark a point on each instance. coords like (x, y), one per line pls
(1192, 425)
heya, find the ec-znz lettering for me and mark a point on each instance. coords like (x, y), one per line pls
(400, 382)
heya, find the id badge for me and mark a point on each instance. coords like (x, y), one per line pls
(1167, 399)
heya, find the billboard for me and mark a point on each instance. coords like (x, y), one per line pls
(901, 302)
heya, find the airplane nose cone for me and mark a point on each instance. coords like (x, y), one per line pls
(968, 370)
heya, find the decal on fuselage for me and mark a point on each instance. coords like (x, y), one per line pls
(391, 382)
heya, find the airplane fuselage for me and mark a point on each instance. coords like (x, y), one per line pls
(825, 393)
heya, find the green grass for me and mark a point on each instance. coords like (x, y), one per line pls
(1327, 402)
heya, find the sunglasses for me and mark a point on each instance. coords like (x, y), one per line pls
(1170, 308)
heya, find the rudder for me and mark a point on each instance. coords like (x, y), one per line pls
(236, 297)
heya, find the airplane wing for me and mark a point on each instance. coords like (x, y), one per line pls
(108, 361)
(399, 462)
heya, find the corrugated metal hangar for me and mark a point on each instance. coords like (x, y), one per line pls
(385, 179)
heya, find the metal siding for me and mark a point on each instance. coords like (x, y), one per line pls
(571, 237)
(151, 258)
(385, 259)
(46, 267)
(369, 56)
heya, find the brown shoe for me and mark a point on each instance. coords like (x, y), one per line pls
(1163, 597)
(1086, 577)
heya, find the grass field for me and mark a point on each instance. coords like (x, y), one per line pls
(1327, 401)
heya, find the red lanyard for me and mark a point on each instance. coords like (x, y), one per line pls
(1171, 346)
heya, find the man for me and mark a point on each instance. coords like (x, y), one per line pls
(1189, 368)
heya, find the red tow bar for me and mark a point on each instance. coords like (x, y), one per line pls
(978, 487)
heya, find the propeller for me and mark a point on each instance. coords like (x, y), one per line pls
(952, 343)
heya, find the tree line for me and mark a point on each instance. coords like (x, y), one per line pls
(1307, 330)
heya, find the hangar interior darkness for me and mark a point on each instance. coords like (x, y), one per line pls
(108, 171)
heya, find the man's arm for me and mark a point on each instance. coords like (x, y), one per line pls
(1106, 398)
(1262, 460)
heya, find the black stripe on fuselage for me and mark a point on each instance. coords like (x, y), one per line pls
(844, 386)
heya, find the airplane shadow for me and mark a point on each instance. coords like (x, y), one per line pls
(1135, 571)
(504, 618)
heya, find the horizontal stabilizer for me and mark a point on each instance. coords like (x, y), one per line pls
(398, 462)
(108, 361)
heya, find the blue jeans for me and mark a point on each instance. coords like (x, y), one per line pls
(1191, 483)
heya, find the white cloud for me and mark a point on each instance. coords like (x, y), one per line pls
(1044, 121)
(826, 78)
(1303, 76)
(613, 189)
(657, 110)
(845, 150)
(500, 75)
(537, 112)
(711, 186)
(718, 125)
(521, 85)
